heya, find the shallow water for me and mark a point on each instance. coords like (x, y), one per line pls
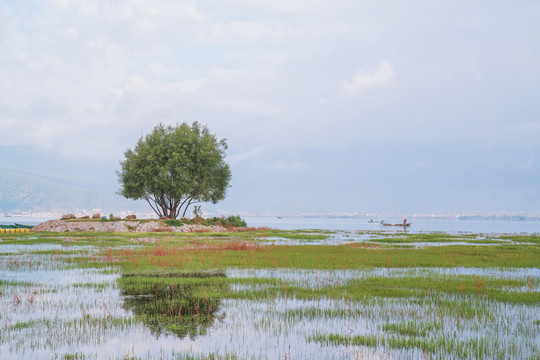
(247, 329)
(48, 307)
(376, 238)
(24, 249)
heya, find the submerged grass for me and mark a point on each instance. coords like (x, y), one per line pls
(177, 285)
(477, 348)
(419, 289)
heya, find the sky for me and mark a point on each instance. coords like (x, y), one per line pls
(343, 106)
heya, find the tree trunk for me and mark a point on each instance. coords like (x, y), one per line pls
(185, 209)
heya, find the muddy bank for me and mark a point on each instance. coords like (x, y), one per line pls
(122, 226)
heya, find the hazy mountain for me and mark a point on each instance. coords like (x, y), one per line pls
(36, 193)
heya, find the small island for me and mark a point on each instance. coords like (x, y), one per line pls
(131, 224)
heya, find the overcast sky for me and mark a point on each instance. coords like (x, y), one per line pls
(328, 106)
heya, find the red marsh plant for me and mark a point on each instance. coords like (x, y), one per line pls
(203, 254)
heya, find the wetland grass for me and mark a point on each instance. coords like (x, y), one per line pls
(227, 295)
(349, 256)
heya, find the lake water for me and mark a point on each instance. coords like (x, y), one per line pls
(447, 225)
(418, 224)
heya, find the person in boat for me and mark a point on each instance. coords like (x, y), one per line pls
(405, 222)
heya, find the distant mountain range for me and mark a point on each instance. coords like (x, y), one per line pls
(21, 191)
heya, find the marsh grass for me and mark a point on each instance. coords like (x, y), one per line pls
(437, 241)
(534, 239)
(482, 348)
(463, 301)
(202, 255)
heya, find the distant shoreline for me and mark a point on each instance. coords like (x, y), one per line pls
(419, 225)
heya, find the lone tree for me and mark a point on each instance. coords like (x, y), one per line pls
(174, 167)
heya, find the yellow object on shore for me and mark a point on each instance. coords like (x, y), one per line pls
(13, 230)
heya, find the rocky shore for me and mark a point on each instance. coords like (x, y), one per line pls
(122, 226)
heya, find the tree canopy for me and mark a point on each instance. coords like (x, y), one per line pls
(174, 167)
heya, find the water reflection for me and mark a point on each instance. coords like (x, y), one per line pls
(179, 305)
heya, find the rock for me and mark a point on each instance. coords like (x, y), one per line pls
(154, 226)
(121, 226)
(68, 217)
(131, 217)
(96, 216)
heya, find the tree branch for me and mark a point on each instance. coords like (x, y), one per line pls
(149, 203)
(185, 209)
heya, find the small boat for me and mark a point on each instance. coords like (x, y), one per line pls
(402, 224)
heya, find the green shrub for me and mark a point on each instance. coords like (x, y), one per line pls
(178, 222)
(173, 222)
(216, 221)
(236, 221)
(233, 220)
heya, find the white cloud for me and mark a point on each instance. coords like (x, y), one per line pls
(251, 154)
(69, 33)
(158, 70)
(251, 106)
(256, 72)
(244, 32)
(23, 57)
(192, 12)
(380, 77)
(527, 164)
(138, 84)
(296, 7)
(190, 86)
(286, 166)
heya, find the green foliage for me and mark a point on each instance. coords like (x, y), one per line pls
(176, 222)
(233, 220)
(75, 356)
(216, 221)
(174, 167)
(173, 222)
(110, 218)
(236, 221)
(23, 325)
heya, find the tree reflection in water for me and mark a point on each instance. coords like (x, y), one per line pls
(182, 304)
